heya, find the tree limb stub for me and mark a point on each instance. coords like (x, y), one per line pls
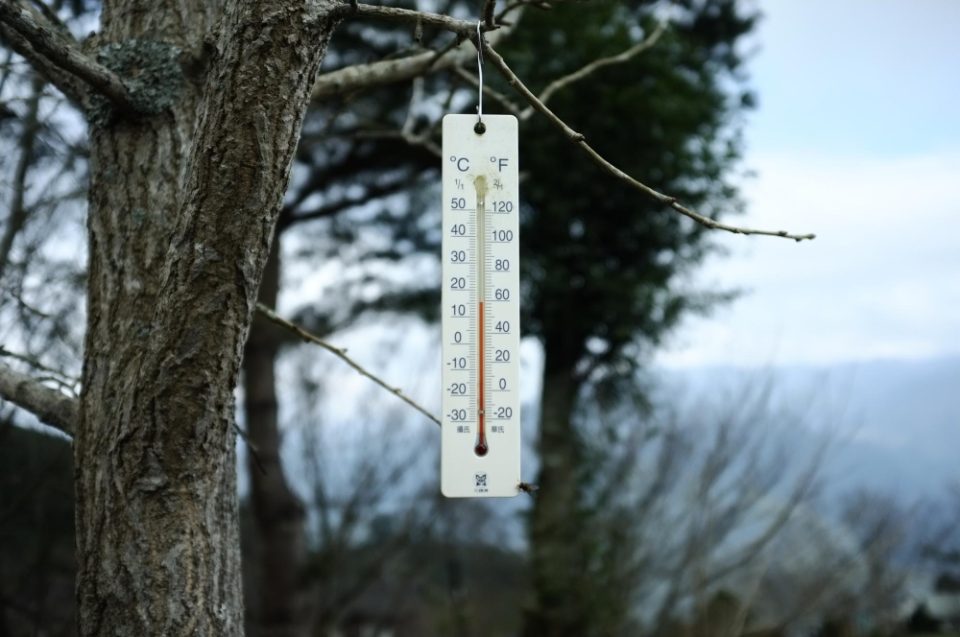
(49, 405)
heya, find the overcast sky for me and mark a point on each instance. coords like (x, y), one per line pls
(857, 138)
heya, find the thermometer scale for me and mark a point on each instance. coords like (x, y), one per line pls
(480, 454)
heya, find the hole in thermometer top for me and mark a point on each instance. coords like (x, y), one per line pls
(480, 454)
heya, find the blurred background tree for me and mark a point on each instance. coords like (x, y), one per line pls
(604, 274)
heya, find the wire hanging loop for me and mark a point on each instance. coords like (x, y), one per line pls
(480, 127)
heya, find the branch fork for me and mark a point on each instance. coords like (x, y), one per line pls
(60, 58)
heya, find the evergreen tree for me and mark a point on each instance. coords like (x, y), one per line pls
(603, 270)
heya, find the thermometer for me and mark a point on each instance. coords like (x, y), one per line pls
(480, 455)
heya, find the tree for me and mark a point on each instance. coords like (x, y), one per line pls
(174, 224)
(194, 110)
(690, 500)
(602, 271)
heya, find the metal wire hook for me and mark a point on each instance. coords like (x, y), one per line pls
(480, 127)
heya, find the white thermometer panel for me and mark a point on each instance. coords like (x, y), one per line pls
(480, 454)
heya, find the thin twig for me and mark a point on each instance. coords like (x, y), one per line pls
(342, 355)
(580, 140)
(335, 207)
(592, 67)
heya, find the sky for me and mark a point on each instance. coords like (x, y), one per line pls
(857, 139)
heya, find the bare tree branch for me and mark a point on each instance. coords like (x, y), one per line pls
(806, 483)
(592, 67)
(50, 406)
(409, 16)
(360, 77)
(580, 140)
(342, 355)
(69, 85)
(48, 46)
(364, 76)
(335, 207)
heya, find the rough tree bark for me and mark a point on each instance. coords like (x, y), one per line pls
(182, 208)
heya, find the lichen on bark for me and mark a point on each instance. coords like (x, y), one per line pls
(151, 72)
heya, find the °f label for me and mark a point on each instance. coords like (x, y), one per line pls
(480, 454)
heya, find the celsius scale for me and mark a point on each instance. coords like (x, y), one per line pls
(480, 454)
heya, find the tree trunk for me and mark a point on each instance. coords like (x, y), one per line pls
(277, 511)
(182, 209)
(556, 558)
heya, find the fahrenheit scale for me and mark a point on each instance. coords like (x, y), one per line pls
(480, 454)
